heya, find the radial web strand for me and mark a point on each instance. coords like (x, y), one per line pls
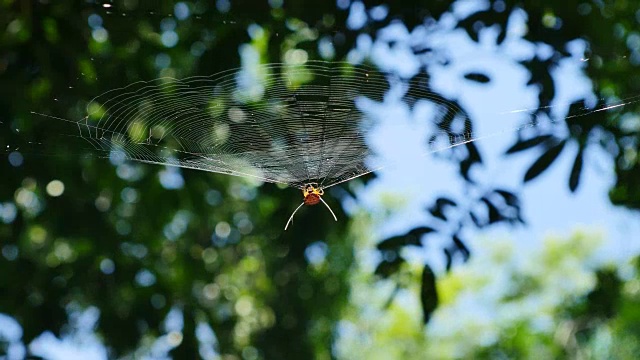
(289, 124)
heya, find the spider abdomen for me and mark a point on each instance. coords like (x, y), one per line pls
(312, 199)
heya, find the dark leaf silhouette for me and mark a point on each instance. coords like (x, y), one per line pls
(474, 154)
(411, 238)
(437, 210)
(487, 18)
(465, 168)
(510, 198)
(475, 219)
(396, 242)
(512, 211)
(473, 157)
(448, 258)
(501, 36)
(576, 170)
(477, 77)
(502, 205)
(544, 161)
(422, 230)
(428, 293)
(541, 75)
(421, 50)
(460, 246)
(529, 143)
(580, 126)
(443, 201)
(493, 212)
(387, 268)
(604, 299)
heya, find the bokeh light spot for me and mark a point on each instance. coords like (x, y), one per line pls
(100, 35)
(162, 61)
(174, 338)
(223, 229)
(8, 212)
(107, 266)
(213, 197)
(10, 252)
(16, 159)
(94, 21)
(223, 5)
(145, 278)
(169, 38)
(316, 253)
(55, 188)
(181, 10)
(243, 306)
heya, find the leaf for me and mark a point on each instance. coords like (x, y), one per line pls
(529, 143)
(449, 259)
(472, 158)
(437, 210)
(475, 219)
(388, 268)
(468, 24)
(465, 169)
(461, 246)
(474, 154)
(428, 293)
(494, 214)
(421, 50)
(507, 209)
(581, 126)
(443, 201)
(603, 301)
(413, 237)
(477, 77)
(540, 71)
(509, 198)
(419, 231)
(544, 161)
(501, 36)
(437, 213)
(395, 242)
(576, 170)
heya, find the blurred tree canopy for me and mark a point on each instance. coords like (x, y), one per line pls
(559, 300)
(211, 247)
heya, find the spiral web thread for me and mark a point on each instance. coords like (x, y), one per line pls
(290, 124)
(278, 123)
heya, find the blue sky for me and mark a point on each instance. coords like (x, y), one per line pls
(496, 107)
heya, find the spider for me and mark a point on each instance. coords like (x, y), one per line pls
(312, 195)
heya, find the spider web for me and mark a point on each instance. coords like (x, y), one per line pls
(280, 123)
(290, 124)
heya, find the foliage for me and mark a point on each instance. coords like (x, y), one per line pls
(607, 28)
(122, 239)
(503, 303)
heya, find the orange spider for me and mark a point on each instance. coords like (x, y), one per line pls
(312, 195)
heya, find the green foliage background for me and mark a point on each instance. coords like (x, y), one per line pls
(257, 291)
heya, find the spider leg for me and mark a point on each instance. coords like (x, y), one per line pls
(327, 205)
(291, 218)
